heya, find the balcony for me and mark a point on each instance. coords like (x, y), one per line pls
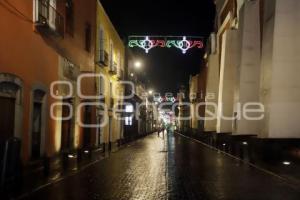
(113, 68)
(103, 58)
(49, 21)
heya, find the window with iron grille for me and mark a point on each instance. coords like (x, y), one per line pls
(101, 85)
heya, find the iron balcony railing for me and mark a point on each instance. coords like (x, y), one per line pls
(48, 16)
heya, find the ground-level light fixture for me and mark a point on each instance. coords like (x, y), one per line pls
(71, 156)
(286, 162)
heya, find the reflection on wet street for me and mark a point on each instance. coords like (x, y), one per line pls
(177, 168)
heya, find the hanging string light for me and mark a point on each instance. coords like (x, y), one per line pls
(169, 41)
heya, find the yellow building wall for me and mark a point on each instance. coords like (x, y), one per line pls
(110, 34)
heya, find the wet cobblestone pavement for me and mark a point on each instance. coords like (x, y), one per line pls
(153, 168)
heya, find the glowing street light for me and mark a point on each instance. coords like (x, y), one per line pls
(150, 92)
(137, 64)
(131, 74)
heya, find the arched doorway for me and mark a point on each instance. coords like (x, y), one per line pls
(11, 108)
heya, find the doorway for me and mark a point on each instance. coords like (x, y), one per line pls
(66, 127)
(99, 133)
(36, 130)
(87, 130)
(110, 134)
(38, 123)
(7, 118)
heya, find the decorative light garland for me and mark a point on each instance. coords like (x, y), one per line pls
(165, 99)
(184, 45)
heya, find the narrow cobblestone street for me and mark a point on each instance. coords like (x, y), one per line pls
(140, 172)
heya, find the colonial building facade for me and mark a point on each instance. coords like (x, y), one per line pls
(61, 63)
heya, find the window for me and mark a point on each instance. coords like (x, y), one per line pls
(69, 17)
(128, 121)
(88, 37)
(46, 15)
(103, 55)
(101, 85)
(101, 38)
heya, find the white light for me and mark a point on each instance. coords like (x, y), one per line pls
(224, 144)
(182, 46)
(286, 162)
(71, 156)
(131, 74)
(129, 108)
(245, 143)
(86, 152)
(137, 64)
(150, 92)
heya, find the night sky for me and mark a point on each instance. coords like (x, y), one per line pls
(164, 69)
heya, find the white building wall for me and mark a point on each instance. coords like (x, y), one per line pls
(248, 72)
(212, 90)
(281, 88)
(266, 63)
(229, 55)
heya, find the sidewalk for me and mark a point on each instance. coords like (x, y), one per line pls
(289, 172)
(36, 178)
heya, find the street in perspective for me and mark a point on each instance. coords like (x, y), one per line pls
(149, 100)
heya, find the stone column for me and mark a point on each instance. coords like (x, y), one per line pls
(280, 82)
(248, 72)
(228, 67)
(212, 90)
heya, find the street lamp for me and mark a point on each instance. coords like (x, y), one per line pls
(137, 64)
(150, 92)
(131, 74)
